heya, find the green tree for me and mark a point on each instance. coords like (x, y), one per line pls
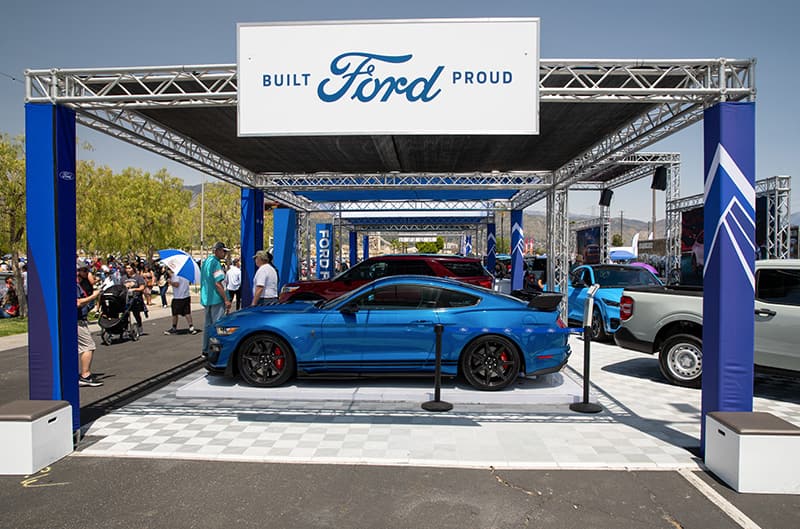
(12, 206)
(221, 209)
(616, 240)
(439, 244)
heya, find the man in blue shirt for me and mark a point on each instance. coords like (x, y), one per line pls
(212, 291)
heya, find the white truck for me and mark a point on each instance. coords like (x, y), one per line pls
(668, 321)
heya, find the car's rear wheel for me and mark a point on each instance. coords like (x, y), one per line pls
(598, 326)
(681, 360)
(265, 360)
(490, 363)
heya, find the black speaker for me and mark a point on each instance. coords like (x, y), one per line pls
(659, 179)
(605, 197)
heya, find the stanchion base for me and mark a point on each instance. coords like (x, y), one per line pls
(585, 407)
(437, 405)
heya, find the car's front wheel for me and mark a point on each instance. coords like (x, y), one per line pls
(490, 363)
(681, 360)
(265, 360)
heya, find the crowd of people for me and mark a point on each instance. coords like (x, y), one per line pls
(220, 287)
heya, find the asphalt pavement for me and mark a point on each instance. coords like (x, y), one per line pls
(87, 492)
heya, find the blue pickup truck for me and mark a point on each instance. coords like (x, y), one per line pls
(613, 279)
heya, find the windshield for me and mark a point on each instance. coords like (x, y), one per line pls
(624, 277)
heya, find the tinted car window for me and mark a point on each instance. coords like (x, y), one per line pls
(411, 267)
(450, 298)
(778, 286)
(392, 297)
(613, 277)
(464, 268)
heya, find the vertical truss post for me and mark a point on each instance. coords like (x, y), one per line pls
(778, 199)
(558, 248)
(672, 220)
(605, 223)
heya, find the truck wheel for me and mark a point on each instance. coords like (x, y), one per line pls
(598, 327)
(681, 360)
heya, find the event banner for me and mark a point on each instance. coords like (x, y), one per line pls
(324, 251)
(447, 76)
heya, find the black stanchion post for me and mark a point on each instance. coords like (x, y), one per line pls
(437, 404)
(585, 406)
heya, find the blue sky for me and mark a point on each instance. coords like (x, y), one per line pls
(149, 33)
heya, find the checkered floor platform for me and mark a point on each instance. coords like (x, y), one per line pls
(645, 424)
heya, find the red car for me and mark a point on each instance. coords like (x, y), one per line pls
(464, 269)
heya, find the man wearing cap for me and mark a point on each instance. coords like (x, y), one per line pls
(233, 278)
(212, 292)
(265, 282)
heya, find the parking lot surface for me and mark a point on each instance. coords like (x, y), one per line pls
(312, 461)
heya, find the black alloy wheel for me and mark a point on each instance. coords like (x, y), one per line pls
(490, 363)
(598, 326)
(265, 360)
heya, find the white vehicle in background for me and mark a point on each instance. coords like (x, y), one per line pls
(668, 321)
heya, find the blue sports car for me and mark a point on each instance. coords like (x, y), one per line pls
(613, 279)
(387, 326)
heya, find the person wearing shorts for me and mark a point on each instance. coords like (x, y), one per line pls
(86, 346)
(181, 303)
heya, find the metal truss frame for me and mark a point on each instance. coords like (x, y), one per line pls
(403, 227)
(777, 190)
(326, 181)
(107, 99)
(411, 205)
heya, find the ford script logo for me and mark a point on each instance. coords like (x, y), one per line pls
(66, 175)
(358, 76)
(365, 77)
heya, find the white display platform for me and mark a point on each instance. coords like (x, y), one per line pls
(555, 388)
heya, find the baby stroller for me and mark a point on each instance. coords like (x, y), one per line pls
(115, 315)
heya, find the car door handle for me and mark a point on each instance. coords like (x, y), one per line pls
(421, 321)
(765, 312)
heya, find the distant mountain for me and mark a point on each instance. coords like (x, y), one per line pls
(794, 219)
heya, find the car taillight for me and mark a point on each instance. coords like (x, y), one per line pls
(625, 307)
(561, 323)
(487, 283)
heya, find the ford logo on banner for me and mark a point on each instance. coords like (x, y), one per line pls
(389, 77)
(66, 175)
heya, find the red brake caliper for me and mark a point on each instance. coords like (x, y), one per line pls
(504, 358)
(279, 361)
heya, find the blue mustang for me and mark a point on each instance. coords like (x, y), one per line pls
(612, 279)
(387, 326)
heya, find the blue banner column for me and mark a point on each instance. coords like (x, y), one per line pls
(365, 244)
(468, 245)
(324, 237)
(353, 248)
(728, 274)
(50, 202)
(517, 249)
(491, 246)
(284, 222)
(252, 238)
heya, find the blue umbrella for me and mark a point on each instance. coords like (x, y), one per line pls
(181, 264)
(621, 255)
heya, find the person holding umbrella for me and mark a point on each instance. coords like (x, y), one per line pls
(212, 291)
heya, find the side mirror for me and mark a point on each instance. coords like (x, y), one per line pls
(349, 308)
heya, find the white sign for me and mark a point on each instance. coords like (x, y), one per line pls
(416, 239)
(461, 76)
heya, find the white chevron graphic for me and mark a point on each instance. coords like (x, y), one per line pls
(722, 158)
(725, 222)
(492, 237)
(516, 227)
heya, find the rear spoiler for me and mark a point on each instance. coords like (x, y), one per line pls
(546, 301)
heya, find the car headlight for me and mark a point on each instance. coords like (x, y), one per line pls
(288, 288)
(226, 331)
